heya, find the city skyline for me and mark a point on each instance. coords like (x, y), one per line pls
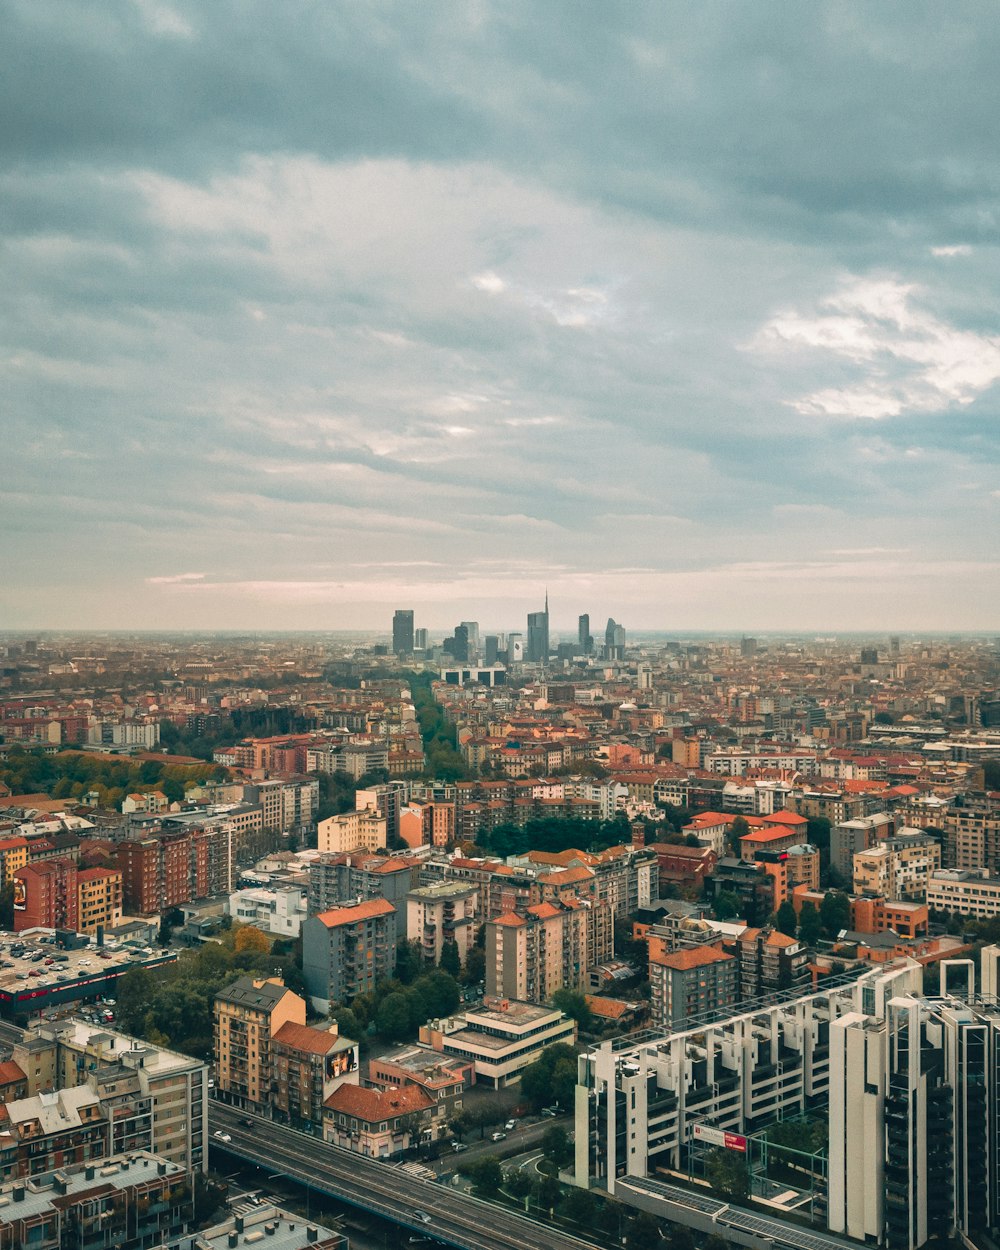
(687, 315)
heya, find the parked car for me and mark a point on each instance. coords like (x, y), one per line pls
(499, 1136)
(510, 1124)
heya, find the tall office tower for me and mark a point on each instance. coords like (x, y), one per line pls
(472, 632)
(538, 635)
(402, 631)
(515, 648)
(748, 647)
(584, 637)
(869, 655)
(460, 649)
(420, 640)
(491, 648)
(614, 640)
(894, 644)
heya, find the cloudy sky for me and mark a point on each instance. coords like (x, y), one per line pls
(686, 311)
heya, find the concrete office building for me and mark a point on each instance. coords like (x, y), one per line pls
(402, 632)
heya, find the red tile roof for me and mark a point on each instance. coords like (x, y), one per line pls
(375, 1105)
(361, 911)
(302, 1037)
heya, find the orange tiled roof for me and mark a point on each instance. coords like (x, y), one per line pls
(375, 1105)
(350, 915)
(302, 1037)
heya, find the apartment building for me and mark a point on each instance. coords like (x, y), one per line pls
(530, 955)
(307, 1065)
(849, 837)
(248, 1014)
(770, 962)
(99, 899)
(966, 893)
(363, 830)
(690, 983)
(335, 880)
(427, 823)
(920, 1085)
(155, 1098)
(46, 895)
(378, 1123)
(636, 1108)
(442, 912)
(348, 950)
(128, 1202)
(874, 913)
(898, 868)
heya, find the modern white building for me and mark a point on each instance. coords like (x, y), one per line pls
(279, 912)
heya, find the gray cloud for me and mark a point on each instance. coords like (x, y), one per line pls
(322, 301)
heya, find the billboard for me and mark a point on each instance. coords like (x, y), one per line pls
(20, 894)
(719, 1137)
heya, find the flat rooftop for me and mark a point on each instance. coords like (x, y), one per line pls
(43, 969)
(107, 1175)
(282, 1230)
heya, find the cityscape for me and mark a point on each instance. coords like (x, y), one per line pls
(630, 937)
(499, 626)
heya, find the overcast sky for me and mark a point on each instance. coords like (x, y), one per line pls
(686, 311)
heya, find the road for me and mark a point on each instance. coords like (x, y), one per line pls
(456, 1219)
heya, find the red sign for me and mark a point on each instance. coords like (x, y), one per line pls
(735, 1141)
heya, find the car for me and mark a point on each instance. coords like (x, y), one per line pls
(422, 1216)
(499, 1136)
(248, 1121)
(510, 1124)
(34, 973)
(458, 1146)
(549, 1111)
(221, 1135)
(49, 962)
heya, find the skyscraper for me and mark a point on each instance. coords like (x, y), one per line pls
(614, 640)
(402, 631)
(538, 635)
(584, 637)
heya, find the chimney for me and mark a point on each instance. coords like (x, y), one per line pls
(18, 1193)
(239, 1223)
(161, 1169)
(89, 1173)
(312, 1235)
(234, 1239)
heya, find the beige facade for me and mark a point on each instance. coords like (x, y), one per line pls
(248, 1014)
(530, 956)
(898, 868)
(352, 831)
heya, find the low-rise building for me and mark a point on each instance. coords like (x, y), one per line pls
(965, 893)
(276, 1228)
(500, 1038)
(873, 913)
(442, 1079)
(379, 1123)
(279, 912)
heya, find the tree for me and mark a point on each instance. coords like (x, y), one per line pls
(726, 905)
(728, 1174)
(436, 995)
(547, 1192)
(450, 961)
(573, 1004)
(785, 919)
(393, 1020)
(485, 1173)
(835, 912)
(579, 1206)
(680, 1237)
(810, 925)
(250, 940)
(475, 967)
(557, 1146)
(409, 962)
(518, 1184)
(551, 1078)
(738, 829)
(643, 1233)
